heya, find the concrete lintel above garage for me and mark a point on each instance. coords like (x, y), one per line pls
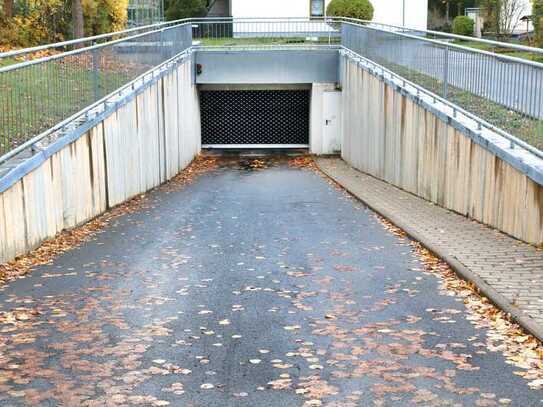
(284, 66)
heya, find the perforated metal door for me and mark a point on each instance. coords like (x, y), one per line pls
(255, 117)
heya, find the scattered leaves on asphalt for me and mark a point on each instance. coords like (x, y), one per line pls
(70, 239)
(338, 313)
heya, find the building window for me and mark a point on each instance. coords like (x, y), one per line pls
(317, 8)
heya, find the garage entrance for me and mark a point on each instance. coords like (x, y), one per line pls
(255, 118)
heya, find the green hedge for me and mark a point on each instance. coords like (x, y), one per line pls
(463, 25)
(361, 9)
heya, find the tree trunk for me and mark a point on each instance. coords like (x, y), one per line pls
(77, 19)
(8, 8)
(498, 17)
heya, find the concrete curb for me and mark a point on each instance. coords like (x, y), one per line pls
(459, 268)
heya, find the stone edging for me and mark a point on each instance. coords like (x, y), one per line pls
(459, 268)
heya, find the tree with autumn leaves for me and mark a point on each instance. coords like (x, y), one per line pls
(30, 22)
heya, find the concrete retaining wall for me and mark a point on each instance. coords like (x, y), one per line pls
(390, 136)
(142, 144)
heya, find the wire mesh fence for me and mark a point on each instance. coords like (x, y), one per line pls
(505, 91)
(142, 12)
(37, 94)
(26, 54)
(46, 87)
(264, 31)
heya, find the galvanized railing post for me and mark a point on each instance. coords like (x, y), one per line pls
(95, 72)
(162, 52)
(446, 72)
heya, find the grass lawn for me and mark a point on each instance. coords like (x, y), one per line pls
(503, 51)
(517, 124)
(37, 97)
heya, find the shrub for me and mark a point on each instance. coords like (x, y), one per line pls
(463, 25)
(117, 11)
(360, 9)
(20, 32)
(185, 9)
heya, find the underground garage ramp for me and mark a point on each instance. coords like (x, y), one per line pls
(255, 118)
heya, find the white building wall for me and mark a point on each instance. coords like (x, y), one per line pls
(274, 8)
(391, 12)
(386, 11)
(525, 10)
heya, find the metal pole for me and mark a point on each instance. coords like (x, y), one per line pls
(95, 73)
(403, 13)
(162, 46)
(446, 72)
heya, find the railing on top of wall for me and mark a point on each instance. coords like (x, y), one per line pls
(36, 94)
(64, 46)
(55, 82)
(265, 31)
(502, 91)
(505, 90)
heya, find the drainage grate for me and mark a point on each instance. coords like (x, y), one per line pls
(255, 117)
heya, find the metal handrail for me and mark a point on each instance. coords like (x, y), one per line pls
(469, 78)
(37, 61)
(59, 126)
(400, 32)
(24, 51)
(457, 46)
(257, 19)
(515, 47)
(366, 24)
(42, 99)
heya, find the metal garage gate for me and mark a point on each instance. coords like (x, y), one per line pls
(255, 118)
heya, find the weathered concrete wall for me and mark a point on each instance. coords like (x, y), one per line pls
(390, 136)
(142, 144)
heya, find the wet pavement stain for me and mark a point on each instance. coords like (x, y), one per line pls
(260, 284)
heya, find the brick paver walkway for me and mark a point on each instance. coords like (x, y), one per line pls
(512, 268)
